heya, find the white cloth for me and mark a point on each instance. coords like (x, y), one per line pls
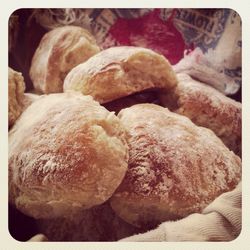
(38, 237)
(220, 221)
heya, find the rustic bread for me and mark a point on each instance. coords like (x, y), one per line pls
(60, 50)
(175, 167)
(207, 107)
(16, 88)
(121, 71)
(66, 153)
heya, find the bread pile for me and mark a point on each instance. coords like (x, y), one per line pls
(117, 143)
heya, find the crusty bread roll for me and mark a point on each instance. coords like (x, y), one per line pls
(59, 51)
(16, 88)
(18, 100)
(120, 71)
(175, 167)
(66, 153)
(207, 107)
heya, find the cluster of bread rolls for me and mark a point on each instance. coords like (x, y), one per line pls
(116, 143)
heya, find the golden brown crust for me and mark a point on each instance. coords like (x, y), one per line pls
(16, 87)
(207, 107)
(66, 153)
(58, 52)
(175, 167)
(120, 71)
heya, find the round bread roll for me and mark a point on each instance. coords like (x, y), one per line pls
(60, 50)
(66, 153)
(207, 107)
(175, 167)
(16, 88)
(120, 71)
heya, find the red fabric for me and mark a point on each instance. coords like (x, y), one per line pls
(152, 32)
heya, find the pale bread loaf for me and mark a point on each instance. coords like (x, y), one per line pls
(16, 88)
(121, 71)
(207, 107)
(175, 167)
(60, 50)
(66, 153)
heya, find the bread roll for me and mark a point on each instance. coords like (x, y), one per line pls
(18, 101)
(66, 153)
(209, 108)
(16, 88)
(175, 167)
(58, 52)
(120, 71)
